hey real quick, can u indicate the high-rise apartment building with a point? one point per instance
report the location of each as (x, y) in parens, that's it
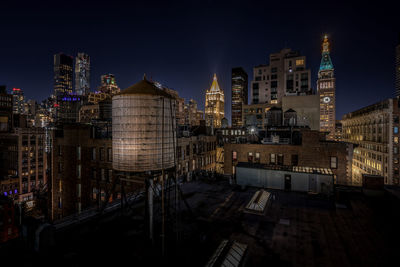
(239, 95)
(397, 73)
(63, 69)
(286, 74)
(108, 84)
(375, 132)
(82, 74)
(326, 85)
(215, 104)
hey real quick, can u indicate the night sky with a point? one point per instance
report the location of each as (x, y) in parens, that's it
(181, 44)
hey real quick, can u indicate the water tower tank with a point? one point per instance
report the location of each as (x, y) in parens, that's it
(143, 128)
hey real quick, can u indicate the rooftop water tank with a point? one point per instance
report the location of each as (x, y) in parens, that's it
(143, 128)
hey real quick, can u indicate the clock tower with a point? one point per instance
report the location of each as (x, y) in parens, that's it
(326, 90)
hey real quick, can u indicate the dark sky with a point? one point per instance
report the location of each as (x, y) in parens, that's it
(181, 44)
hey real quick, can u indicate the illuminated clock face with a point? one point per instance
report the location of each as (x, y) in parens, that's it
(326, 99)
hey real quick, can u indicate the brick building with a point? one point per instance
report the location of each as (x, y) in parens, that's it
(311, 151)
(81, 168)
(82, 173)
(196, 153)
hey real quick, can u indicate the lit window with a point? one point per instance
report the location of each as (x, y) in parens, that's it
(250, 156)
(234, 155)
(299, 62)
(93, 153)
(396, 140)
(396, 130)
(273, 158)
(333, 162)
(79, 169)
(78, 151)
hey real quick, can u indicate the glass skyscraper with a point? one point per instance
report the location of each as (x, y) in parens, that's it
(82, 74)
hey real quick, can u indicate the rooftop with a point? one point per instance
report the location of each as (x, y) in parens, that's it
(296, 229)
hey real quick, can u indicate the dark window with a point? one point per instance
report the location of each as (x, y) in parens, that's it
(109, 154)
(255, 86)
(178, 152)
(289, 84)
(102, 154)
(280, 159)
(295, 160)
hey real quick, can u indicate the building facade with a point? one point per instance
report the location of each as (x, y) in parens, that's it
(286, 74)
(374, 130)
(326, 85)
(312, 152)
(63, 71)
(82, 74)
(215, 104)
(239, 95)
(196, 153)
(81, 169)
(24, 161)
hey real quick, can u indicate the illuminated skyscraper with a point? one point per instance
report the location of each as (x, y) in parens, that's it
(326, 90)
(239, 95)
(108, 84)
(63, 68)
(18, 101)
(82, 74)
(215, 107)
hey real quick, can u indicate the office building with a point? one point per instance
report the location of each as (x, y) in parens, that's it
(239, 95)
(286, 74)
(326, 85)
(82, 74)
(215, 104)
(63, 71)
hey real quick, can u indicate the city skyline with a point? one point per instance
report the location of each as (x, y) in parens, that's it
(358, 48)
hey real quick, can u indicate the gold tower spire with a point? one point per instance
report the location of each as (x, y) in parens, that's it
(325, 45)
